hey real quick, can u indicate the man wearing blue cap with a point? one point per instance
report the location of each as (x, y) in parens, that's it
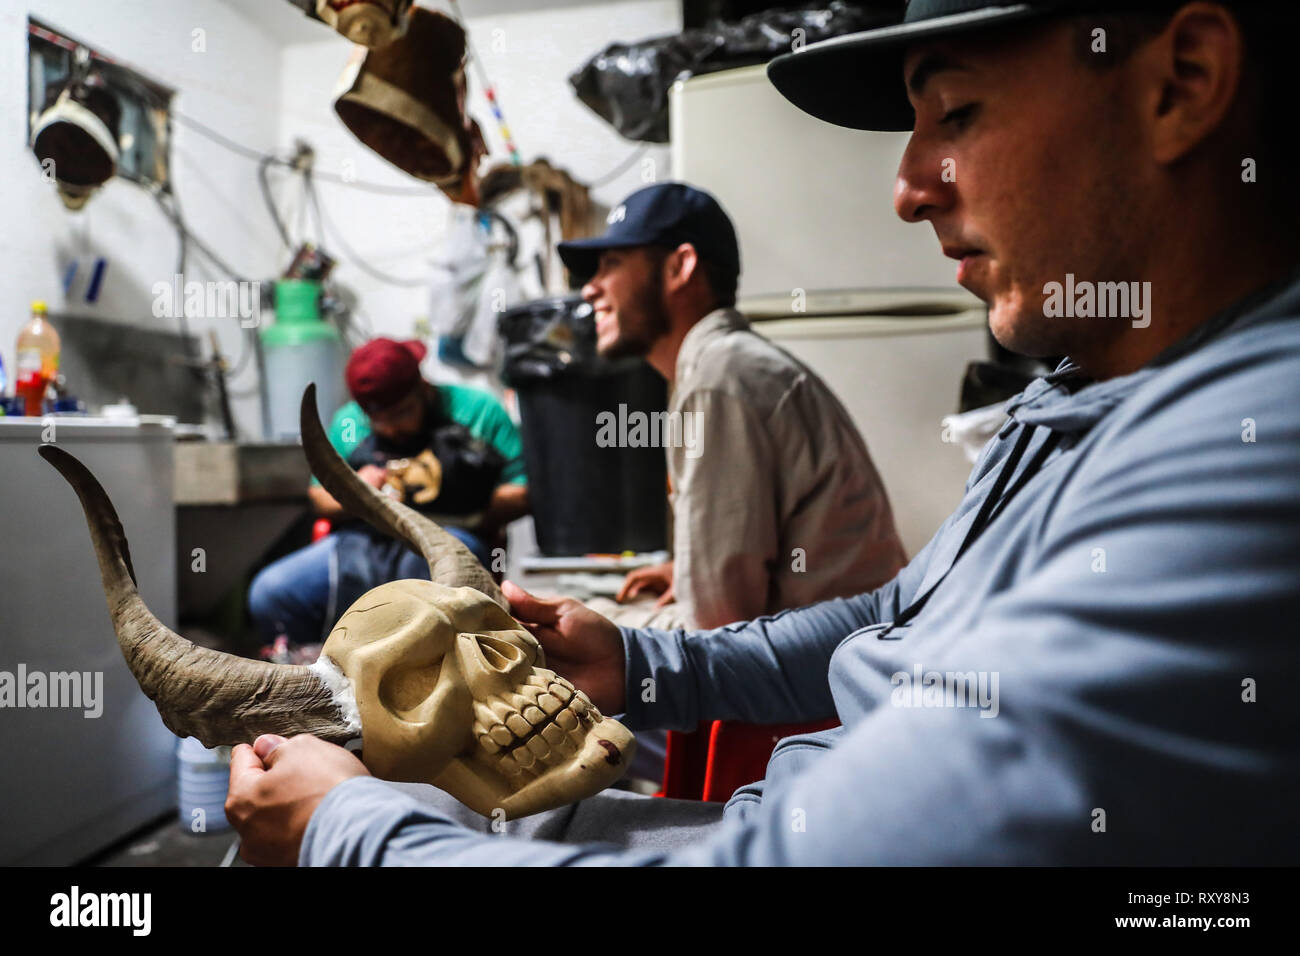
(776, 502)
(1090, 662)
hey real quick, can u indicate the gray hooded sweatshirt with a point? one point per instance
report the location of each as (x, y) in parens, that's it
(1101, 677)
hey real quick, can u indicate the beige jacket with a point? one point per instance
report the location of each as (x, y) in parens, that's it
(776, 503)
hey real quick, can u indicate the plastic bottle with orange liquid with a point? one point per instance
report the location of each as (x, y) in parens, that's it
(37, 360)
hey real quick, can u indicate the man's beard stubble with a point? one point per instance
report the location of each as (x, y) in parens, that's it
(638, 337)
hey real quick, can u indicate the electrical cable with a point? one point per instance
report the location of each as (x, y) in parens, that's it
(263, 182)
(383, 190)
(620, 169)
(199, 244)
(182, 257)
(186, 237)
(312, 202)
(340, 318)
(265, 161)
(350, 256)
(258, 155)
(300, 211)
(216, 137)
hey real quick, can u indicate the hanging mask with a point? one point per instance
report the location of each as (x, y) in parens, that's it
(76, 139)
(407, 103)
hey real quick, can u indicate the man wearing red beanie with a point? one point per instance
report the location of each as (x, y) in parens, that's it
(382, 372)
(448, 450)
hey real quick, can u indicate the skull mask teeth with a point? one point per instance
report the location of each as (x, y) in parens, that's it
(539, 725)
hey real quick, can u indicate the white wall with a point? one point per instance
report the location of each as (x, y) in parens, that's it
(263, 93)
(232, 86)
(528, 57)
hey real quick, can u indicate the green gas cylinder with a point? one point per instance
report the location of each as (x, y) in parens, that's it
(298, 349)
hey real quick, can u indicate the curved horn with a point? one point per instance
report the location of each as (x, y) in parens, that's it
(219, 698)
(450, 562)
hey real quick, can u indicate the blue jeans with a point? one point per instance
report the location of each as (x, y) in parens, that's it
(298, 595)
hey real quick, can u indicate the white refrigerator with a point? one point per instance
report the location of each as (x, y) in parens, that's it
(832, 274)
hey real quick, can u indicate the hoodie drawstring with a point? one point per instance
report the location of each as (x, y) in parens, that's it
(994, 503)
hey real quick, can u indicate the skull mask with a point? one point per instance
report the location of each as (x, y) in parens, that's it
(441, 683)
(451, 691)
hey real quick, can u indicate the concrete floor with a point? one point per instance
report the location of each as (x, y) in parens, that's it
(167, 842)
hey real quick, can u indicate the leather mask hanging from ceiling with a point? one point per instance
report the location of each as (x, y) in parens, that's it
(78, 136)
(407, 103)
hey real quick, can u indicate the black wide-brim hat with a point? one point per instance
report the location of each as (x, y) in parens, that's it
(857, 80)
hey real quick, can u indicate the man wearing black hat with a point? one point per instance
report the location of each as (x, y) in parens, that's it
(776, 502)
(1089, 662)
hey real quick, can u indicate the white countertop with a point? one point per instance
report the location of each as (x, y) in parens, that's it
(17, 427)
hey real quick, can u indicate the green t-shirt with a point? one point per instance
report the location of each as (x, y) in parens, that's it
(478, 411)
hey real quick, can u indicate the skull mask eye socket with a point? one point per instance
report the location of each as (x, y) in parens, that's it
(405, 692)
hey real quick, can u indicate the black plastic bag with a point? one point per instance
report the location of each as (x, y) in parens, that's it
(553, 337)
(627, 84)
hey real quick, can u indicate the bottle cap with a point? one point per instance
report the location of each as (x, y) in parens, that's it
(38, 305)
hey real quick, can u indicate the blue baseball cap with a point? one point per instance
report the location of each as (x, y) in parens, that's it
(665, 214)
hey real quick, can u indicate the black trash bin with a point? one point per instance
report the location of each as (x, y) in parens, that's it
(585, 498)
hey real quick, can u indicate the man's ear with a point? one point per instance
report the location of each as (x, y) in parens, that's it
(682, 263)
(1198, 59)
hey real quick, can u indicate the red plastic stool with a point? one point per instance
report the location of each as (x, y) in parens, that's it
(719, 757)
